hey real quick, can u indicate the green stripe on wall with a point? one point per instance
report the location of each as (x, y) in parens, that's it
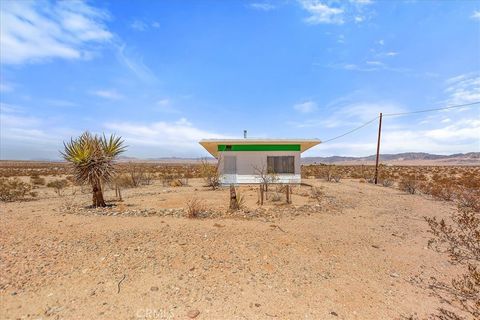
(259, 147)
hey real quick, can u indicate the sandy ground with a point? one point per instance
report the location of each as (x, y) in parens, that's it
(366, 260)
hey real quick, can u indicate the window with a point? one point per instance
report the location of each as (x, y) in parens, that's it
(281, 164)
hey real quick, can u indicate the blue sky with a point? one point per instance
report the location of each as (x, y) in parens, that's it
(164, 74)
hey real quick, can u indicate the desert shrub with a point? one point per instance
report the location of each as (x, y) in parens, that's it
(36, 180)
(210, 174)
(387, 182)
(408, 184)
(276, 197)
(317, 194)
(460, 239)
(138, 174)
(15, 190)
(176, 183)
(58, 185)
(195, 208)
(123, 181)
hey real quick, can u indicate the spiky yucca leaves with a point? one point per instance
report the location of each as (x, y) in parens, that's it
(92, 157)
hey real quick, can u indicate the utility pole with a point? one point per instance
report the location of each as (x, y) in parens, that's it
(378, 148)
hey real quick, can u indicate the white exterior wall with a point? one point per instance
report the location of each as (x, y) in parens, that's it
(247, 161)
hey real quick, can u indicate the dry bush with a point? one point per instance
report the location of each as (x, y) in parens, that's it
(123, 181)
(210, 174)
(276, 197)
(58, 185)
(387, 182)
(460, 239)
(195, 208)
(317, 193)
(138, 174)
(336, 177)
(15, 190)
(36, 180)
(408, 184)
(266, 177)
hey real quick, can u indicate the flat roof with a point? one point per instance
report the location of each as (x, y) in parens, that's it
(211, 145)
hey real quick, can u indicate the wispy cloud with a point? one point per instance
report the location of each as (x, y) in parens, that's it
(262, 6)
(165, 105)
(476, 15)
(142, 25)
(110, 94)
(5, 87)
(305, 107)
(35, 31)
(367, 66)
(362, 2)
(462, 89)
(135, 64)
(21, 131)
(322, 13)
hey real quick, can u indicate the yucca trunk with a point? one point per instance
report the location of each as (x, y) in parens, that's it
(97, 199)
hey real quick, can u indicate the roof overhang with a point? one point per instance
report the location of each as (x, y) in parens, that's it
(211, 145)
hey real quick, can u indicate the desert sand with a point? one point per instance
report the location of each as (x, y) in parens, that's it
(362, 254)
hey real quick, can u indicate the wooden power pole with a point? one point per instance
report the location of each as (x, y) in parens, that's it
(378, 148)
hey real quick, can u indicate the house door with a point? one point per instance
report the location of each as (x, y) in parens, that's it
(230, 169)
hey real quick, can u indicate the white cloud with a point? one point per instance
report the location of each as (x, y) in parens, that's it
(139, 25)
(34, 31)
(362, 2)
(262, 6)
(391, 53)
(359, 19)
(143, 25)
(476, 15)
(322, 13)
(176, 138)
(108, 94)
(305, 107)
(463, 89)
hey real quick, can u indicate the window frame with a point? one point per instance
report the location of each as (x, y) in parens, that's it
(281, 164)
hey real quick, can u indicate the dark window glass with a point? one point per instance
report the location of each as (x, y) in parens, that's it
(281, 164)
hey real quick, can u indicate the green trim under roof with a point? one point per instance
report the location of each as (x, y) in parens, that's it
(258, 147)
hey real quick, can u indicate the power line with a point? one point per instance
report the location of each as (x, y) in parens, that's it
(401, 114)
(351, 131)
(429, 110)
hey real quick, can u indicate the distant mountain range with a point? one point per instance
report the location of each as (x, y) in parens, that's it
(405, 158)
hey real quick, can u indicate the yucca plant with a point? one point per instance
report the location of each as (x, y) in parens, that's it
(92, 157)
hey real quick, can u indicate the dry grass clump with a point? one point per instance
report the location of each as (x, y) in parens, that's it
(15, 190)
(195, 208)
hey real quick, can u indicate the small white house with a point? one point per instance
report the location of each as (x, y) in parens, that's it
(244, 160)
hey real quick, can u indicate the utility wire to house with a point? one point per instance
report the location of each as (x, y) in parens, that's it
(402, 114)
(430, 110)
